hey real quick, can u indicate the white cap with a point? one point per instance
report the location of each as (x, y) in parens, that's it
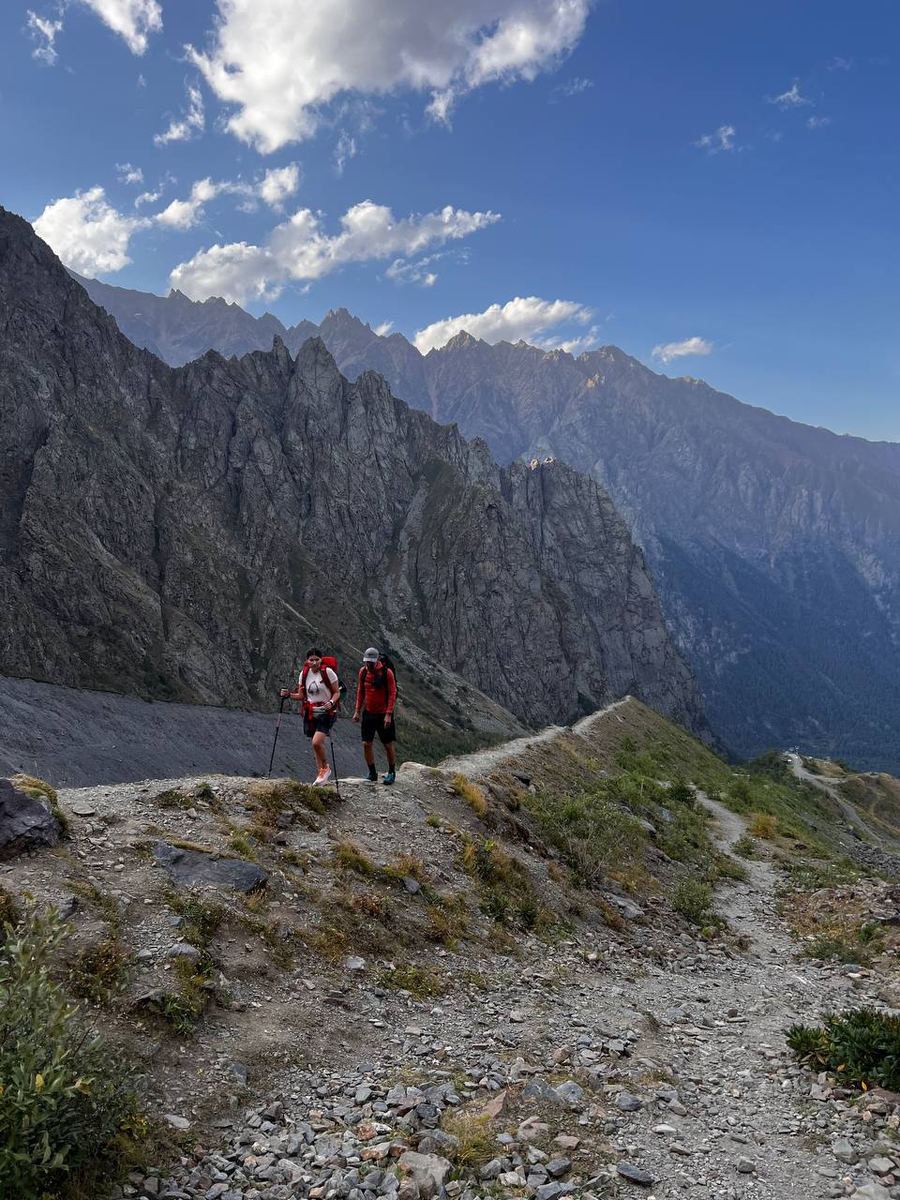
(371, 655)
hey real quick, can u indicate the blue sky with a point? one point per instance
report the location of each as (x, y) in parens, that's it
(713, 187)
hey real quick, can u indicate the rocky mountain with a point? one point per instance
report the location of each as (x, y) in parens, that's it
(774, 545)
(185, 533)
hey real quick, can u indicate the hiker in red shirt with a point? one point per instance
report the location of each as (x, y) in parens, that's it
(376, 695)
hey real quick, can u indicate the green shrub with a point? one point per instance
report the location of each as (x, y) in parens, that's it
(9, 910)
(860, 1047)
(693, 899)
(101, 971)
(200, 919)
(747, 847)
(858, 947)
(681, 793)
(64, 1096)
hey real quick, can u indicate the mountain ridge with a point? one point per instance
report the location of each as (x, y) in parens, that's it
(165, 526)
(774, 544)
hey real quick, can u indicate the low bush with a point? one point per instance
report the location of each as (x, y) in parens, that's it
(747, 847)
(764, 825)
(860, 1047)
(422, 983)
(67, 1111)
(101, 971)
(693, 899)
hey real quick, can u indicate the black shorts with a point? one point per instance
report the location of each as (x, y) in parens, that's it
(371, 724)
(318, 723)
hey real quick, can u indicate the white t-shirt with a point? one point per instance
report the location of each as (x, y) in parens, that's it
(318, 693)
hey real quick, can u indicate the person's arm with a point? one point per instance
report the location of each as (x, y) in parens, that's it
(299, 692)
(360, 693)
(332, 680)
(391, 693)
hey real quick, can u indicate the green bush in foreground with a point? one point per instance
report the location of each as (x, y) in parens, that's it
(64, 1099)
(860, 1047)
(693, 899)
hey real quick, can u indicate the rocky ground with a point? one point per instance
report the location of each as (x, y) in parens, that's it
(624, 1055)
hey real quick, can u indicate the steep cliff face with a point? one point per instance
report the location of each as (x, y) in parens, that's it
(183, 532)
(775, 546)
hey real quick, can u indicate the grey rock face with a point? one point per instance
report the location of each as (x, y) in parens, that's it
(774, 545)
(186, 533)
(193, 868)
(25, 824)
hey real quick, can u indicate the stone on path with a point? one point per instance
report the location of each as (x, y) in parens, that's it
(196, 867)
(25, 824)
(634, 1174)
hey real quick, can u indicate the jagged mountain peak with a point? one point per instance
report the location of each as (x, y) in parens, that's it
(187, 516)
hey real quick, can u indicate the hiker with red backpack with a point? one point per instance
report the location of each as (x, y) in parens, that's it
(319, 692)
(376, 695)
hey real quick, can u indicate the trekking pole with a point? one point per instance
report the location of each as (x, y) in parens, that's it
(275, 742)
(337, 782)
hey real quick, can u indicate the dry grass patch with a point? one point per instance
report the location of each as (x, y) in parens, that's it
(100, 972)
(351, 858)
(472, 794)
(476, 1139)
(40, 789)
(764, 825)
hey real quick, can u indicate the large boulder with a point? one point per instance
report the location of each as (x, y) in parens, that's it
(195, 868)
(25, 824)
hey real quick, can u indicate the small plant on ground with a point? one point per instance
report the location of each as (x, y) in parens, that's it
(421, 982)
(101, 971)
(172, 798)
(200, 919)
(693, 900)
(184, 1008)
(9, 910)
(475, 1136)
(858, 946)
(747, 847)
(433, 820)
(349, 856)
(66, 1107)
(472, 794)
(861, 1047)
(764, 825)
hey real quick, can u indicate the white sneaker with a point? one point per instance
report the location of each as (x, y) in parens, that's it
(323, 777)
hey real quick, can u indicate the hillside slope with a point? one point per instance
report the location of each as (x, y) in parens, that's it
(528, 949)
(775, 545)
(185, 534)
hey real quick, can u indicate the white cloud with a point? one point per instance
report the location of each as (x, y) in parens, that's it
(817, 122)
(696, 346)
(344, 150)
(576, 345)
(183, 214)
(840, 63)
(384, 328)
(715, 143)
(277, 185)
(403, 271)
(44, 31)
(129, 174)
(279, 61)
(300, 250)
(87, 233)
(572, 87)
(190, 123)
(790, 99)
(524, 317)
(131, 19)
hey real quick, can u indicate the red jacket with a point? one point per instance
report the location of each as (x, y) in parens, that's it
(371, 692)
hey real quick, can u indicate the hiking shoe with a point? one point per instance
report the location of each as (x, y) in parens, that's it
(390, 777)
(372, 776)
(323, 777)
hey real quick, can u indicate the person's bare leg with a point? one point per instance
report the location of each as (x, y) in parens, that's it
(368, 754)
(389, 751)
(319, 750)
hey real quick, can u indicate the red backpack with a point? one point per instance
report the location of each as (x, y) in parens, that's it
(328, 660)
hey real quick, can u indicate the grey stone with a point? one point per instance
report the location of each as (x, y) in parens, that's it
(745, 1166)
(25, 824)
(844, 1151)
(558, 1166)
(196, 868)
(429, 1171)
(540, 1089)
(626, 1102)
(176, 1122)
(634, 1174)
(571, 1094)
